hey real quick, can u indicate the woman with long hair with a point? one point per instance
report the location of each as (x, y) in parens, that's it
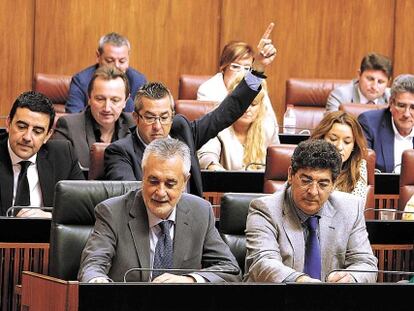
(343, 130)
(243, 145)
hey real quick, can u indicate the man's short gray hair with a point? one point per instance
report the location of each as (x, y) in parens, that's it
(114, 39)
(167, 148)
(402, 84)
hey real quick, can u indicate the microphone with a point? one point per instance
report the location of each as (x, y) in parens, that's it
(11, 210)
(179, 271)
(408, 273)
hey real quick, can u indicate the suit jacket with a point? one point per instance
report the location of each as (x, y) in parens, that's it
(349, 94)
(78, 90)
(276, 245)
(123, 157)
(120, 241)
(55, 161)
(380, 135)
(78, 129)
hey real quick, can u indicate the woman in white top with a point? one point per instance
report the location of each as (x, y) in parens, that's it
(343, 130)
(243, 145)
(236, 57)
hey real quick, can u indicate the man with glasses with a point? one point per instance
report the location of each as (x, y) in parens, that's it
(154, 117)
(390, 131)
(305, 230)
(103, 119)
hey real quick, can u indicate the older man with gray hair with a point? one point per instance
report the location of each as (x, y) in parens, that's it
(389, 132)
(113, 50)
(144, 234)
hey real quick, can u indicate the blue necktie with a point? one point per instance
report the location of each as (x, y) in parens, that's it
(163, 257)
(313, 250)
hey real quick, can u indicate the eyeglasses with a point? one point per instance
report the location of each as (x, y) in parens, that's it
(306, 183)
(164, 120)
(403, 107)
(237, 68)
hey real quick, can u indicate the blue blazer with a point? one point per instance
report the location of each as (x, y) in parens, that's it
(378, 131)
(78, 90)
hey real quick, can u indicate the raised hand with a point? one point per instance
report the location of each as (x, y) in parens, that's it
(266, 51)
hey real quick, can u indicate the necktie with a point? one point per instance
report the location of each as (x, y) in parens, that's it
(163, 257)
(313, 250)
(23, 191)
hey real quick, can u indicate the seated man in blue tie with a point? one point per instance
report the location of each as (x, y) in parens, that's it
(30, 165)
(158, 228)
(304, 231)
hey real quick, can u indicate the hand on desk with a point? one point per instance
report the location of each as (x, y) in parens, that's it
(340, 277)
(266, 51)
(99, 279)
(307, 279)
(33, 213)
(172, 278)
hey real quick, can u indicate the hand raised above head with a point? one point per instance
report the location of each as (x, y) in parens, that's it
(266, 51)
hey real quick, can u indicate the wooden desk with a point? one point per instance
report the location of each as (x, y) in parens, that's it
(24, 245)
(46, 293)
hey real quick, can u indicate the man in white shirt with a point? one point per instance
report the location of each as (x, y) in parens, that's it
(390, 131)
(374, 76)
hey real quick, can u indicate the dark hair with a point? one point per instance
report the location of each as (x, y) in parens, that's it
(374, 61)
(152, 90)
(34, 101)
(318, 154)
(109, 73)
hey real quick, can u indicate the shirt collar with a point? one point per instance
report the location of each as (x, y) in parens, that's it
(15, 159)
(97, 129)
(154, 220)
(363, 99)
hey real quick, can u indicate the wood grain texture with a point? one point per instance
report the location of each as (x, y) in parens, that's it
(167, 37)
(315, 38)
(16, 53)
(404, 37)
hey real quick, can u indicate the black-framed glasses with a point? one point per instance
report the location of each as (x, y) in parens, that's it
(164, 119)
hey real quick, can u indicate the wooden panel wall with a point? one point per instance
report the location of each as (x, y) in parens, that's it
(16, 52)
(315, 38)
(167, 37)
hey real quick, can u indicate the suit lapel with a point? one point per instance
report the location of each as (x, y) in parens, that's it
(6, 179)
(139, 227)
(123, 126)
(355, 93)
(387, 141)
(182, 232)
(326, 232)
(294, 232)
(46, 176)
(139, 148)
(90, 136)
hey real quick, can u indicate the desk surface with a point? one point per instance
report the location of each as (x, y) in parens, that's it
(387, 183)
(233, 181)
(24, 230)
(390, 232)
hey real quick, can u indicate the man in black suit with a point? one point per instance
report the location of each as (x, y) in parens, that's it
(103, 119)
(154, 117)
(158, 227)
(29, 127)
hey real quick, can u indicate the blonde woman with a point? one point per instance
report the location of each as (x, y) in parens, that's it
(243, 145)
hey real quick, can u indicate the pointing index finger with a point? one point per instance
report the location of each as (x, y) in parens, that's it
(268, 31)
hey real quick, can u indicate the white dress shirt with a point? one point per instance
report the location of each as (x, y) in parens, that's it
(401, 144)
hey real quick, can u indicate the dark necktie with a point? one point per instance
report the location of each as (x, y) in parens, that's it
(313, 250)
(163, 257)
(23, 191)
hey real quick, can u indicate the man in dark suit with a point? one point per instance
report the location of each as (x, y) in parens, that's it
(113, 50)
(29, 127)
(158, 227)
(103, 120)
(390, 131)
(154, 117)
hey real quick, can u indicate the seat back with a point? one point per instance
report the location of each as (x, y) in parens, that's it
(406, 178)
(308, 97)
(233, 214)
(188, 85)
(193, 109)
(96, 164)
(278, 159)
(55, 87)
(356, 109)
(73, 219)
